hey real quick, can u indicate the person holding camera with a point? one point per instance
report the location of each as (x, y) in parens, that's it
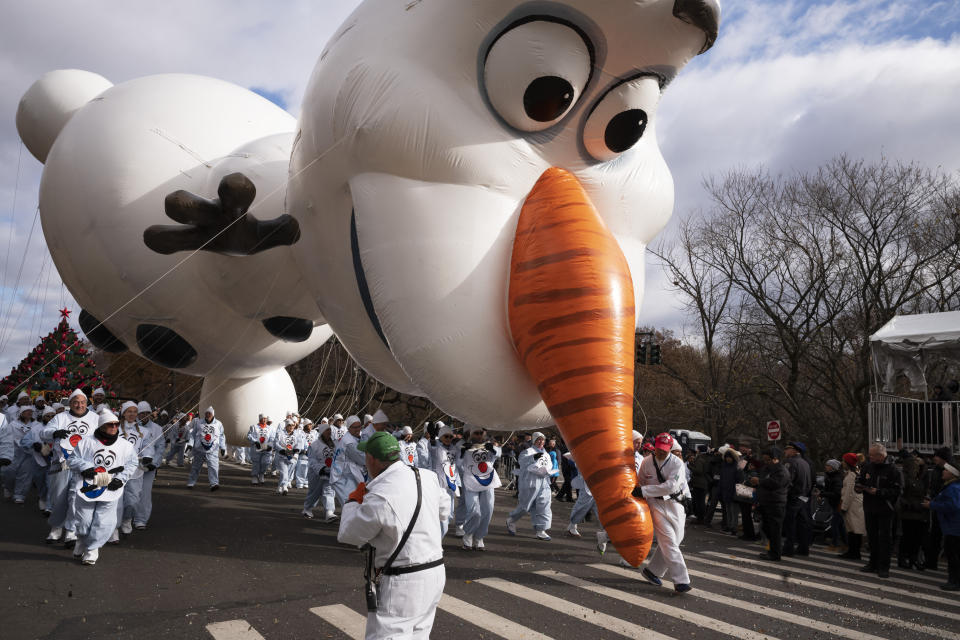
(398, 514)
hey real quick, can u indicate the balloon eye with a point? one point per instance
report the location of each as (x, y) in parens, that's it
(547, 98)
(625, 130)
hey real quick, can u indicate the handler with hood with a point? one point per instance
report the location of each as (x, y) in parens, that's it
(320, 459)
(105, 462)
(347, 470)
(206, 434)
(535, 468)
(662, 479)
(411, 573)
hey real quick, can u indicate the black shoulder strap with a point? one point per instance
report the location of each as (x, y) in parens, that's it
(413, 521)
(659, 472)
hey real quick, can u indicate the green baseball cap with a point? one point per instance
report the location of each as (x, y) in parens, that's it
(382, 446)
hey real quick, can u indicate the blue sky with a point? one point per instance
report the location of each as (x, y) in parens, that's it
(788, 86)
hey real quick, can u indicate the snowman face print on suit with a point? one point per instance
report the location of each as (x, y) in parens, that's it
(103, 460)
(75, 432)
(207, 432)
(481, 466)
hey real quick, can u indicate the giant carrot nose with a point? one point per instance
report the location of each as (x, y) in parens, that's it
(571, 313)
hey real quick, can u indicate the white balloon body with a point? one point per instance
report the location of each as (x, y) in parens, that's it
(413, 162)
(238, 402)
(104, 182)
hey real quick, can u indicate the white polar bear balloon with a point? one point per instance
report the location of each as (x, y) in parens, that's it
(112, 155)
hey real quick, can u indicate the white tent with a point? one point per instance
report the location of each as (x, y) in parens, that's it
(908, 344)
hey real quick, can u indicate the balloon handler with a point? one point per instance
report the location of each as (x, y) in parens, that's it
(396, 518)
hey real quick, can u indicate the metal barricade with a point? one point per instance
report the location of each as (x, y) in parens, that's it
(918, 424)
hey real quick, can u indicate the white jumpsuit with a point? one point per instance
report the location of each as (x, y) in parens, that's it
(668, 515)
(408, 602)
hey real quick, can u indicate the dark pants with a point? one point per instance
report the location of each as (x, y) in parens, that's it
(699, 497)
(797, 527)
(951, 549)
(838, 529)
(565, 491)
(772, 523)
(880, 535)
(746, 514)
(910, 540)
(931, 548)
(712, 504)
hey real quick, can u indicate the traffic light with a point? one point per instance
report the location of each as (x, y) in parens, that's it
(641, 352)
(655, 354)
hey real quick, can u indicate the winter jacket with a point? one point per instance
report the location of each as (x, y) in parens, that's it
(914, 491)
(851, 505)
(833, 487)
(886, 479)
(947, 507)
(800, 478)
(700, 472)
(730, 475)
(774, 483)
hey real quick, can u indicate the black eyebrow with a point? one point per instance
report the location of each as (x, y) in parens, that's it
(703, 14)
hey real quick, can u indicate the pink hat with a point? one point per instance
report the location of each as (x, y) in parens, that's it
(664, 442)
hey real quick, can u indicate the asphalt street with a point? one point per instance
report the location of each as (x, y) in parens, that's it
(243, 564)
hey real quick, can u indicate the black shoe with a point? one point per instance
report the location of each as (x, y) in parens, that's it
(682, 588)
(214, 487)
(868, 568)
(767, 556)
(919, 566)
(950, 587)
(788, 554)
(651, 577)
(883, 573)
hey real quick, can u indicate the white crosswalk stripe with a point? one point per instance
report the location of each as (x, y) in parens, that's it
(567, 608)
(658, 606)
(933, 577)
(883, 585)
(731, 565)
(351, 623)
(751, 587)
(233, 630)
(491, 622)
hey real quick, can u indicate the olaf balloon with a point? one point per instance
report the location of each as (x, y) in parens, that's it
(468, 202)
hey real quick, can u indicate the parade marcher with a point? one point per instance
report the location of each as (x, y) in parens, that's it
(368, 429)
(851, 506)
(479, 479)
(151, 450)
(423, 446)
(443, 461)
(132, 432)
(337, 427)
(662, 480)
(205, 440)
(585, 501)
(104, 462)
(473, 436)
(23, 471)
(13, 411)
(408, 448)
(308, 435)
(178, 439)
(773, 483)
(261, 436)
(35, 466)
(320, 456)
(534, 483)
(879, 482)
(398, 514)
(946, 506)
(99, 400)
(58, 408)
(287, 443)
(348, 468)
(65, 431)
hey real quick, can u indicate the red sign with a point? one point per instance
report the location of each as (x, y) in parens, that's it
(773, 430)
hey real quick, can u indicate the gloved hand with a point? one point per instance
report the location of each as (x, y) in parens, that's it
(89, 473)
(223, 453)
(115, 484)
(357, 494)
(102, 479)
(489, 447)
(151, 467)
(4, 462)
(37, 447)
(257, 445)
(187, 450)
(60, 434)
(146, 460)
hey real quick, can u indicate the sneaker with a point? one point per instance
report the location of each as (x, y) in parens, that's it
(543, 535)
(55, 534)
(478, 545)
(126, 527)
(331, 518)
(285, 492)
(458, 531)
(254, 481)
(573, 532)
(260, 479)
(90, 557)
(78, 551)
(511, 527)
(651, 577)
(682, 588)
(69, 539)
(189, 486)
(467, 542)
(601, 542)
(214, 487)
(306, 513)
(18, 501)
(114, 537)
(139, 526)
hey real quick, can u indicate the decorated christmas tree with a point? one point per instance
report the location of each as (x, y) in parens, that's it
(60, 362)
